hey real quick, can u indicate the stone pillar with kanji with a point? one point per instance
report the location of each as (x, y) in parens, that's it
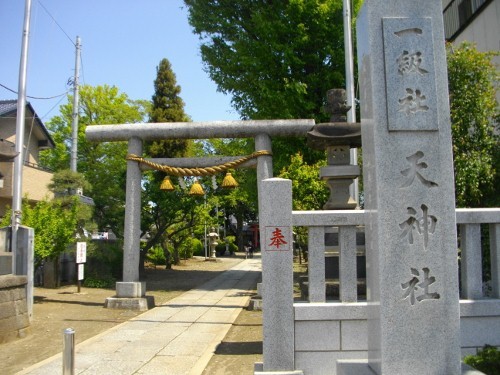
(413, 301)
(275, 219)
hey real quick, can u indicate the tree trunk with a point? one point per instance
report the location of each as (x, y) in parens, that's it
(168, 257)
(142, 261)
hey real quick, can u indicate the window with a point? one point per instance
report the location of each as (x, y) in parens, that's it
(460, 13)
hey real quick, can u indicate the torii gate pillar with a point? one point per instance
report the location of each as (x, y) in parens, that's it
(131, 293)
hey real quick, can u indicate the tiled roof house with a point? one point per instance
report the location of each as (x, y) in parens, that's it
(36, 138)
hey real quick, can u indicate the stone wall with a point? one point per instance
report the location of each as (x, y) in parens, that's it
(327, 332)
(14, 319)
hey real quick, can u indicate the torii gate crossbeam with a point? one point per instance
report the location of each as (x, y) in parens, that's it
(131, 292)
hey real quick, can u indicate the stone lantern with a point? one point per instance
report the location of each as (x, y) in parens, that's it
(212, 238)
(337, 137)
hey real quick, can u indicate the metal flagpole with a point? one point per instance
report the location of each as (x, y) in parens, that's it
(20, 127)
(349, 74)
(74, 125)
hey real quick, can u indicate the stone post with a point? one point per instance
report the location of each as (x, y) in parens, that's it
(277, 276)
(413, 315)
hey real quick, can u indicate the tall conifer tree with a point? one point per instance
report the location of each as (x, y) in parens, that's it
(167, 106)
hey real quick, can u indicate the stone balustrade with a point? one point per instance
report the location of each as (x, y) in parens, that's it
(330, 330)
(325, 330)
(469, 221)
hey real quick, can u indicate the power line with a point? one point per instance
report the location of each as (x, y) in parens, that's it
(50, 110)
(53, 19)
(36, 97)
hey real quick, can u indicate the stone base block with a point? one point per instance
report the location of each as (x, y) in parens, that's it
(140, 304)
(259, 370)
(360, 367)
(134, 289)
(354, 367)
(212, 260)
(5, 263)
(255, 304)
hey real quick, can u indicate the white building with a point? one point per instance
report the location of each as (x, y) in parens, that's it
(473, 20)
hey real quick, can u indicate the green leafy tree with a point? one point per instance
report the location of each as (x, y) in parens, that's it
(54, 223)
(167, 219)
(276, 59)
(102, 164)
(240, 203)
(169, 216)
(474, 117)
(66, 182)
(64, 185)
(309, 192)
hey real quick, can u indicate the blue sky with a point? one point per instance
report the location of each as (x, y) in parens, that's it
(123, 42)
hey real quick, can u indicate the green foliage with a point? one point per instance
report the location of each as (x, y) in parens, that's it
(96, 281)
(66, 182)
(156, 256)
(474, 117)
(486, 360)
(54, 227)
(240, 202)
(54, 224)
(102, 164)
(104, 260)
(276, 59)
(231, 246)
(309, 192)
(197, 247)
(169, 216)
(189, 247)
(167, 106)
(64, 185)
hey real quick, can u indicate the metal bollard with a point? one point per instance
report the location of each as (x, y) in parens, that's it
(69, 351)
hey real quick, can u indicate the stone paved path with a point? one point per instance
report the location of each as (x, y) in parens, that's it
(178, 337)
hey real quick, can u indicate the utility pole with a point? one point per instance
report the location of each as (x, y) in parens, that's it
(349, 81)
(20, 130)
(74, 124)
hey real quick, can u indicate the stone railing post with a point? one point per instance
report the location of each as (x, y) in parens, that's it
(348, 285)
(277, 274)
(316, 264)
(495, 259)
(471, 261)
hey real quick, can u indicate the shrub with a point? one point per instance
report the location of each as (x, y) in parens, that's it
(197, 247)
(232, 247)
(189, 247)
(156, 256)
(104, 259)
(486, 360)
(94, 281)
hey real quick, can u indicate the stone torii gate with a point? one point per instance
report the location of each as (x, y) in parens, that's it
(131, 292)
